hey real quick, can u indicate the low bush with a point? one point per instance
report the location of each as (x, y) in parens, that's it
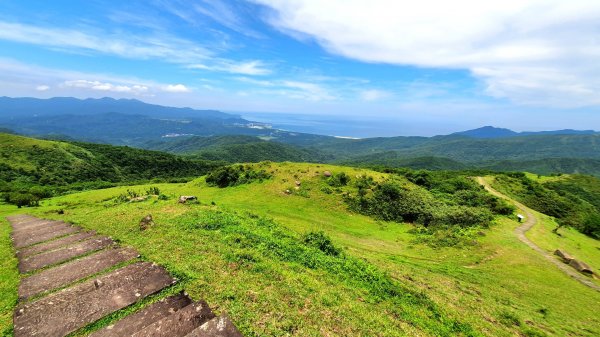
(235, 175)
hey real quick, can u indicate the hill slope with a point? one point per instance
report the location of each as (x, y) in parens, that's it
(26, 162)
(254, 246)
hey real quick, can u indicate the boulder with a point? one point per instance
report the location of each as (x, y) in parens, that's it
(146, 222)
(581, 267)
(563, 255)
(185, 198)
(298, 183)
(327, 174)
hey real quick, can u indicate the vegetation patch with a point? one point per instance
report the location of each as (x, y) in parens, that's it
(573, 202)
(235, 175)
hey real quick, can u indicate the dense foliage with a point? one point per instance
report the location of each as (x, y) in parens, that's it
(440, 201)
(572, 201)
(235, 175)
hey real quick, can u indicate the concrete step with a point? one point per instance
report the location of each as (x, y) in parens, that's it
(70, 272)
(217, 327)
(63, 254)
(73, 308)
(180, 323)
(27, 240)
(54, 244)
(145, 317)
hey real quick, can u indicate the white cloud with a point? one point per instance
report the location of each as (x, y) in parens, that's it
(176, 88)
(106, 86)
(42, 87)
(373, 94)
(254, 67)
(523, 50)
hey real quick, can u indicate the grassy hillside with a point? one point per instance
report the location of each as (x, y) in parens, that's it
(246, 250)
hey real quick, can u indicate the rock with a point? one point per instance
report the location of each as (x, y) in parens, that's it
(138, 199)
(185, 198)
(298, 183)
(288, 192)
(327, 173)
(581, 267)
(146, 222)
(563, 255)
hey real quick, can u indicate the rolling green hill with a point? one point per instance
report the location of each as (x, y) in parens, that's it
(238, 149)
(299, 250)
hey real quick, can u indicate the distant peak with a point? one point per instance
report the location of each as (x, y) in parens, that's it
(487, 131)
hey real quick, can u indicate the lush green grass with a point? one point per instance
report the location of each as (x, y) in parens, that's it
(245, 255)
(9, 276)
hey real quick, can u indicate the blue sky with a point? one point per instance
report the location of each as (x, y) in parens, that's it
(427, 65)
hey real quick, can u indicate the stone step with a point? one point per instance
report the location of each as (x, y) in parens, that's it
(145, 317)
(70, 272)
(35, 225)
(25, 221)
(73, 308)
(54, 244)
(180, 323)
(40, 230)
(217, 327)
(24, 241)
(63, 254)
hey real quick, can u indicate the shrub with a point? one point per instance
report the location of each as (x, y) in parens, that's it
(322, 242)
(235, 175)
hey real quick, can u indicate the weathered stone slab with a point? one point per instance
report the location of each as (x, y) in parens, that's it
(67, 273)
(566, 257)
(63, 254)
(31, 240)
(75, 307)
(51, 227)
(217, 327)
(54, 244)
(32, 225)
(180, 323)
(145, 317)
(581, 267)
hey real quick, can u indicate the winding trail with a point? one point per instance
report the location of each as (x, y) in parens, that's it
(531, 221)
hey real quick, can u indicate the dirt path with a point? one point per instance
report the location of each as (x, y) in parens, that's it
(531, 221)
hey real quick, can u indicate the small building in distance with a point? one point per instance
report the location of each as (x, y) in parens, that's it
(520, 217)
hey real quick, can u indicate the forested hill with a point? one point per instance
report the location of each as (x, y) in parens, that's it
(27, 162)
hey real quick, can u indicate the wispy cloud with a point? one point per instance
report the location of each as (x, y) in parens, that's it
(374, 94)
(309, 91)
(157, 45)
(253, 67)
(230, 14)
(42, 87)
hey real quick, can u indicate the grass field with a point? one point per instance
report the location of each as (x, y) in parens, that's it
(241, 249)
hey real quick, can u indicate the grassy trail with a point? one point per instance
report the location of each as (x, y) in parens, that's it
(531, 221)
